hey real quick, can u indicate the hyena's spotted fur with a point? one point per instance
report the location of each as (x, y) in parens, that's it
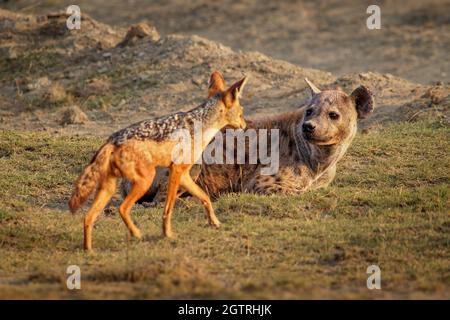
(307, 159)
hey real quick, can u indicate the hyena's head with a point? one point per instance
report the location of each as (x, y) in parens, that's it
(330, 116)
(230, 108)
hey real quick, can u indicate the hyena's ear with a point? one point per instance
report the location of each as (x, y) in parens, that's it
(216, 84)
(312, 87)
(234, 92)
(364, 103)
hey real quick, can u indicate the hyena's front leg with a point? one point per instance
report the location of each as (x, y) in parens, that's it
(325, 179)
(288, 180)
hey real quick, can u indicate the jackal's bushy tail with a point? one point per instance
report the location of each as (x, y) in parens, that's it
(91, 176)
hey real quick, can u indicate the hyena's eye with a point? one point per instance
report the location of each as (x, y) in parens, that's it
(333, 115)
(308, 112)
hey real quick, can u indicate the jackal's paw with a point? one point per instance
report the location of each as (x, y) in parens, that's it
(169, 234)
(137, 234)
(215, 223)
(90, 252)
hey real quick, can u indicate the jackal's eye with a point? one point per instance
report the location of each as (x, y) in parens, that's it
(309, 112)
(333, 115)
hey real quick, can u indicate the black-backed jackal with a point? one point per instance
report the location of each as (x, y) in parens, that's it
(135, 152)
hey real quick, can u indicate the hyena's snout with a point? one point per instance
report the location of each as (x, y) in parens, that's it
(309, 127)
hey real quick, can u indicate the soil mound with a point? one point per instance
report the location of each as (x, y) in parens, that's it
(117, 76)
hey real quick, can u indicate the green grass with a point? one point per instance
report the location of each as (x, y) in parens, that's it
(388, 206)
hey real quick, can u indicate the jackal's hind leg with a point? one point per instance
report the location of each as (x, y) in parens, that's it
(104, 194)
(172, 193)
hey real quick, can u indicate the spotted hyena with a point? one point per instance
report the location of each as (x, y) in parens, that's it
(312, 140)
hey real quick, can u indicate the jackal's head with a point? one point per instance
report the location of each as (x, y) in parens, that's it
(330, 116)
(232, 113)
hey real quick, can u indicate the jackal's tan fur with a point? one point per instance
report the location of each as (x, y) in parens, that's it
(135, 152)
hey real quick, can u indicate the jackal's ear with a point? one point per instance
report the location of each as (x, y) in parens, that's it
(237, 88)
(216, 84)
(364, 103)
(234, 92)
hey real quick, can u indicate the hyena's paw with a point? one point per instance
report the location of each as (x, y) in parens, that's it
(285, 181)
(266, 185)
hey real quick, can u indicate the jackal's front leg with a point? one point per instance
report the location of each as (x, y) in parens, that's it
(174, 183)
(162, 182)
(191, 187)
